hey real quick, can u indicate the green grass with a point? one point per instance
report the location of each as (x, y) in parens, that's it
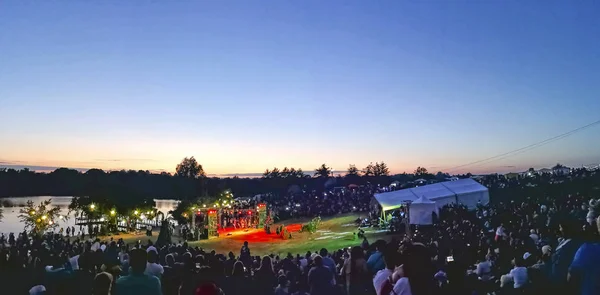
(333, 233)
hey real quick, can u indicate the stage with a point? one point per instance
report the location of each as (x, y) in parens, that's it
(334, 233)
(236, 232)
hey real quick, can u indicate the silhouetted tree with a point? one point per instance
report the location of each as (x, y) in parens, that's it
(381, 169)
(190, 168)
(323, 171)
(369, 170)
(352, 170)
(420, 171)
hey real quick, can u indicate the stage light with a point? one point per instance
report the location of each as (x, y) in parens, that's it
(102, 219)
(92, 206)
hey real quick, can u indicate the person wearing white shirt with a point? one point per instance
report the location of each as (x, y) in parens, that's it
(74, 261)
(534, 236)
(519, 273)
(151, 248)
(152, 267)
(484, 269)
(500, 232)
(385, 274)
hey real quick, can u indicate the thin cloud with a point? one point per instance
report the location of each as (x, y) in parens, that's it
(125, 160)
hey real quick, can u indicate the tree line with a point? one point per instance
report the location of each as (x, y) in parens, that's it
(188, 182)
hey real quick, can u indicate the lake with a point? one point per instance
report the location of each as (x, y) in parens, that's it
(10, 222)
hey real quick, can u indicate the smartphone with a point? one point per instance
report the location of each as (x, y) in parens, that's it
(450, 259)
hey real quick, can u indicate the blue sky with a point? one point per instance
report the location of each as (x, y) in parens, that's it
(245, 85)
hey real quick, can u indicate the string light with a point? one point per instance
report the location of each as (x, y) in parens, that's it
(112, 212)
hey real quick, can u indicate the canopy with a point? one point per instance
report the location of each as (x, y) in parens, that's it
(465, 191)
(421, 211)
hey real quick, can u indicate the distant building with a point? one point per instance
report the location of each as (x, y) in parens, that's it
(544, 171)
(511, 175)
(561, 171)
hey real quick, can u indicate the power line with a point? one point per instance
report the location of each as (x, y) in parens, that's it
(527, 148)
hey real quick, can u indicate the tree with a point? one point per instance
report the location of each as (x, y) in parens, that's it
(420, 171)
(370, 170)
(352, 170)
(558, 166)
(300, 173)
(323, 171)
(381, 169)
(190, 168)
(40, 219)
(275, 173)
(266, 174)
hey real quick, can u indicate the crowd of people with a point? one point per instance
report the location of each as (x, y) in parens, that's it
(535, 246)
(312, 203)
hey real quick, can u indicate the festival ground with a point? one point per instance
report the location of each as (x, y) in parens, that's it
(333, 233)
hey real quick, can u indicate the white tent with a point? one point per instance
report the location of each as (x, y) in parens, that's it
(395, 199)
(421, 210)
(465, 191)
(469, 192)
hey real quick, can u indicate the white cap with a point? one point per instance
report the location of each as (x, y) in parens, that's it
(39, 289)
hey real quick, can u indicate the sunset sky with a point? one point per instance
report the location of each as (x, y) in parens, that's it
(249, 85)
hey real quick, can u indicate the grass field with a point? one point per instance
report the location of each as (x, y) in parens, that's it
(333, 233)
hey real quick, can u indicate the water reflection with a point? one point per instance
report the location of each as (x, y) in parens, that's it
(10, 222)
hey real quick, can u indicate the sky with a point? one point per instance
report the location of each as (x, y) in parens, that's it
(248, 85)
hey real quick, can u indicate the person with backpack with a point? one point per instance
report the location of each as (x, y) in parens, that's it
(383, 278)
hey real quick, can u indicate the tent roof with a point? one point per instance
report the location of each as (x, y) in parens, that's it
(433, 192)
(393, 200)
(464, 186)
(423, 200)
